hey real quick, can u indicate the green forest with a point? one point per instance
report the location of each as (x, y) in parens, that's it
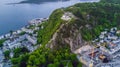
(98, 16)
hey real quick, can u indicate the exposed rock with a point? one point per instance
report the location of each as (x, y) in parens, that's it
(67, 34)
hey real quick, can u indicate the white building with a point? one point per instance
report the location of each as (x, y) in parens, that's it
(1, 37)
(67, 16)
(19, 31)
(118, 32)
(32, 40)
(7, 35)
(1, 64)
(112, 37)
(11, 54)
(14, 45)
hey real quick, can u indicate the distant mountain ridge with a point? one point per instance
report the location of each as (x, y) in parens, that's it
(39, 1)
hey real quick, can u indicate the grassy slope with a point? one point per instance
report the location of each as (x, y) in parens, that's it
(50, 27)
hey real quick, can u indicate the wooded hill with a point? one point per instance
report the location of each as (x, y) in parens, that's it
(92, 18)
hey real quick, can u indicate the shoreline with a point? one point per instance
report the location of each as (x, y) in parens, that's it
(7, 33)
(23, 37)
(34, 21)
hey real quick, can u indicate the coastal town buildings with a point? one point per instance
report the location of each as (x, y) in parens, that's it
(20, 38)
(105, 52)
(33, 40)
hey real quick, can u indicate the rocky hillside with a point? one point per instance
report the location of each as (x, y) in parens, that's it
(67, 34)
(90, 19)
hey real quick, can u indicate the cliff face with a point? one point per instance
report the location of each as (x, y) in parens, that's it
(68, 34)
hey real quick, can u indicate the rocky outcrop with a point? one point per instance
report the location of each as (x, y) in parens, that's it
(67, 35)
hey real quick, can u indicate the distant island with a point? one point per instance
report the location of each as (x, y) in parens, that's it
(45, 1)
(39, 1)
